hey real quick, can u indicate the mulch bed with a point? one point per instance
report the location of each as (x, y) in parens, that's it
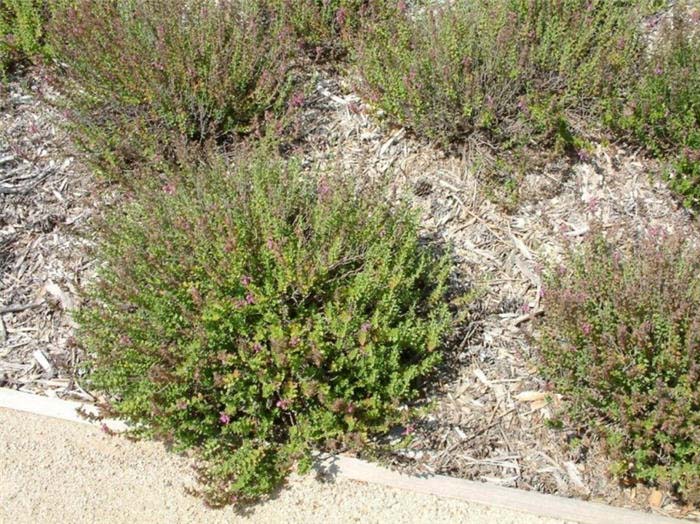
(46, 200)
(490, 417)
(490, 420)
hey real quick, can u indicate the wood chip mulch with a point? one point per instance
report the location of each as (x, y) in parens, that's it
(491, 419)
(45, 202)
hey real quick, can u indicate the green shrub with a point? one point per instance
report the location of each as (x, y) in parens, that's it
(516, 71)
(22, 24)
(663, 109)
(621, 340)
(140, 73)
(252, 313)
(322, 26)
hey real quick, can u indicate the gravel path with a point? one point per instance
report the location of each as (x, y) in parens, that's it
(56, 471)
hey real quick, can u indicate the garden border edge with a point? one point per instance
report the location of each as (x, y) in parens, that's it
(529, 502)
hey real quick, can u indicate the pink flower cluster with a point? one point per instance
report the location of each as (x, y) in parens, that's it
(284, 404)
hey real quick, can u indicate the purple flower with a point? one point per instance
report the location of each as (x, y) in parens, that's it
(655, 232)
(283, 404)
(246, 280)
(249, 299)
(257, 347)
(297, 100)
(586, 328)
(593, 204)
(169, 188)
(224, 418)
(408, 430)
(323, 189)
(341, 16)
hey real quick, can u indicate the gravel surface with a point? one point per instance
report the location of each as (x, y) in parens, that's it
(57, 471)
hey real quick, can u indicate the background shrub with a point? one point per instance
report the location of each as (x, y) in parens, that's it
(323, 26)
(621, 340)
(22, 37)
(662, 110)
(141, 72)
(252, 312)
(515, 70)
(550, 73)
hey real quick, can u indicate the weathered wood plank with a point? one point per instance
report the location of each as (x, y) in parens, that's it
(551, 506)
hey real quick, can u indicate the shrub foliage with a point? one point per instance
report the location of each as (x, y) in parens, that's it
(22, 24)
(140, 72)
(621, 339)
(323, 26)
(251, 312)
(513, 69)
(519, 72)
(663, 110)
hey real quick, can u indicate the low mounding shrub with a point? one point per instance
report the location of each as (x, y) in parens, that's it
(251, 312)
(621, 340)
(322, 26)
(663, 109)
(22, 37)
(140, 72)
(514, 70)
(519, 72)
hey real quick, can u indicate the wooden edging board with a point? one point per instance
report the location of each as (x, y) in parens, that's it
(533, 503)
